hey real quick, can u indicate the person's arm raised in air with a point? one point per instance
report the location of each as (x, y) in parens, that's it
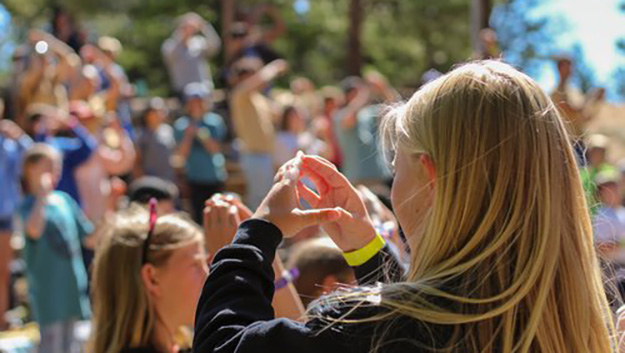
(381, 86)
(349, 114)
(222, 217)
(234, 313)
(118, 161)
(278, 27)
(265, 75)
(213, 42)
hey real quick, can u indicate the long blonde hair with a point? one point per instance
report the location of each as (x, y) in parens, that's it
(505, 256)
(123, 314)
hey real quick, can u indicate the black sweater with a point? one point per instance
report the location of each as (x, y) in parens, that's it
(235, 315)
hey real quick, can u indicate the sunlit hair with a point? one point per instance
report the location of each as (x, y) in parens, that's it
(123, 315)
(505, 256)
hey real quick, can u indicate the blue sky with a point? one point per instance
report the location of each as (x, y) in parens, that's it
(596, 25)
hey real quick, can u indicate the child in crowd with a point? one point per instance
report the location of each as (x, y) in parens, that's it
(54, 228)
(13, 144)
(156, 143)
(199, 135)
(321, 268)
(147, 276)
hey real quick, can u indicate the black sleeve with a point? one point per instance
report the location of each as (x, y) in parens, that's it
(383, 267)
(234, 313)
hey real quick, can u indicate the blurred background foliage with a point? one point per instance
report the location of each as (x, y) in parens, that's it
(400, 38)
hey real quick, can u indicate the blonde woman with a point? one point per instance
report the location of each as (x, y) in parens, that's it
(148, 275)
(488, 194)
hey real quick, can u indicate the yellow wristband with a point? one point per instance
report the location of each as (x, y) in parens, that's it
(364, 254)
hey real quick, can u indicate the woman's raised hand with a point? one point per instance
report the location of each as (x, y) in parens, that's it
(281, 205)
(354, 229)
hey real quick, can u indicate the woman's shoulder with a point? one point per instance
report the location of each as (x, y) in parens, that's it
(361, 314)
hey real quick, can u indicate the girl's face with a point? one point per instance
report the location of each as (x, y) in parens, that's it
(413, 190)
(180, 284)
(34, 175)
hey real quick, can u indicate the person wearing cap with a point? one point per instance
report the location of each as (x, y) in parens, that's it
(155, 143)
(609, 224)
(145, 188)
(596, 162)
(185, 52)
(199, 135)
(253, 117)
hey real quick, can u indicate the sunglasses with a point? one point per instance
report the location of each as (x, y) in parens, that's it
(146, 243)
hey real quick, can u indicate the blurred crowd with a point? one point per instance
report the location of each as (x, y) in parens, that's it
(79, 164)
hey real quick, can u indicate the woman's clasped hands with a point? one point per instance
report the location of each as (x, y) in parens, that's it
(335, 205)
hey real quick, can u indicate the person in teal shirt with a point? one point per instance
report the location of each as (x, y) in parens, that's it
(199, 136)
(54, 228)
(356, 125)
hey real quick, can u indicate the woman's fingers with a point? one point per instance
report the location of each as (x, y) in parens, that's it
(308, 195)
(325, 170)
(320, 184)
(315, 217)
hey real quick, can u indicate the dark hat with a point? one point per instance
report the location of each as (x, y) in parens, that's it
(144, 188)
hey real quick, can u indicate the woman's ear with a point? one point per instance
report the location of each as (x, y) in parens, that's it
(427, 162)
(150, 280)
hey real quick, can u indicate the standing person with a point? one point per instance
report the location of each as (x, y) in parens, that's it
(324, 126)
(500, 261)
(50, 66)
(253, 116)
(54, 127)
(356, 126)
(94, 176)
(156, 143)
(199, 135)
(65, 28)
(54, 228)
(185, 53)
(609, 227)
(576, 109)
(294, 137)
(13, 144)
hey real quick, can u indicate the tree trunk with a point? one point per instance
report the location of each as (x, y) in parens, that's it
(354, 55)
(480, 16)
(227, 17)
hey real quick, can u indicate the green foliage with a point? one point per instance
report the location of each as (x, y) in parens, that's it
(400, 38)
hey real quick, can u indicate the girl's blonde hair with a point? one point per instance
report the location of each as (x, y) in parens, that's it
(123, 314)
(505, 256)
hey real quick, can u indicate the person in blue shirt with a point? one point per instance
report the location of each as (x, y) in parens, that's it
(199, 136)
(356, 125)
(54, 229)
(13, 143)
(69, 137)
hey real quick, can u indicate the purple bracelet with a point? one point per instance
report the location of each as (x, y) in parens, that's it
(287, 277)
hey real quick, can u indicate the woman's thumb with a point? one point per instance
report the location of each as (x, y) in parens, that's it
(314, 217)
